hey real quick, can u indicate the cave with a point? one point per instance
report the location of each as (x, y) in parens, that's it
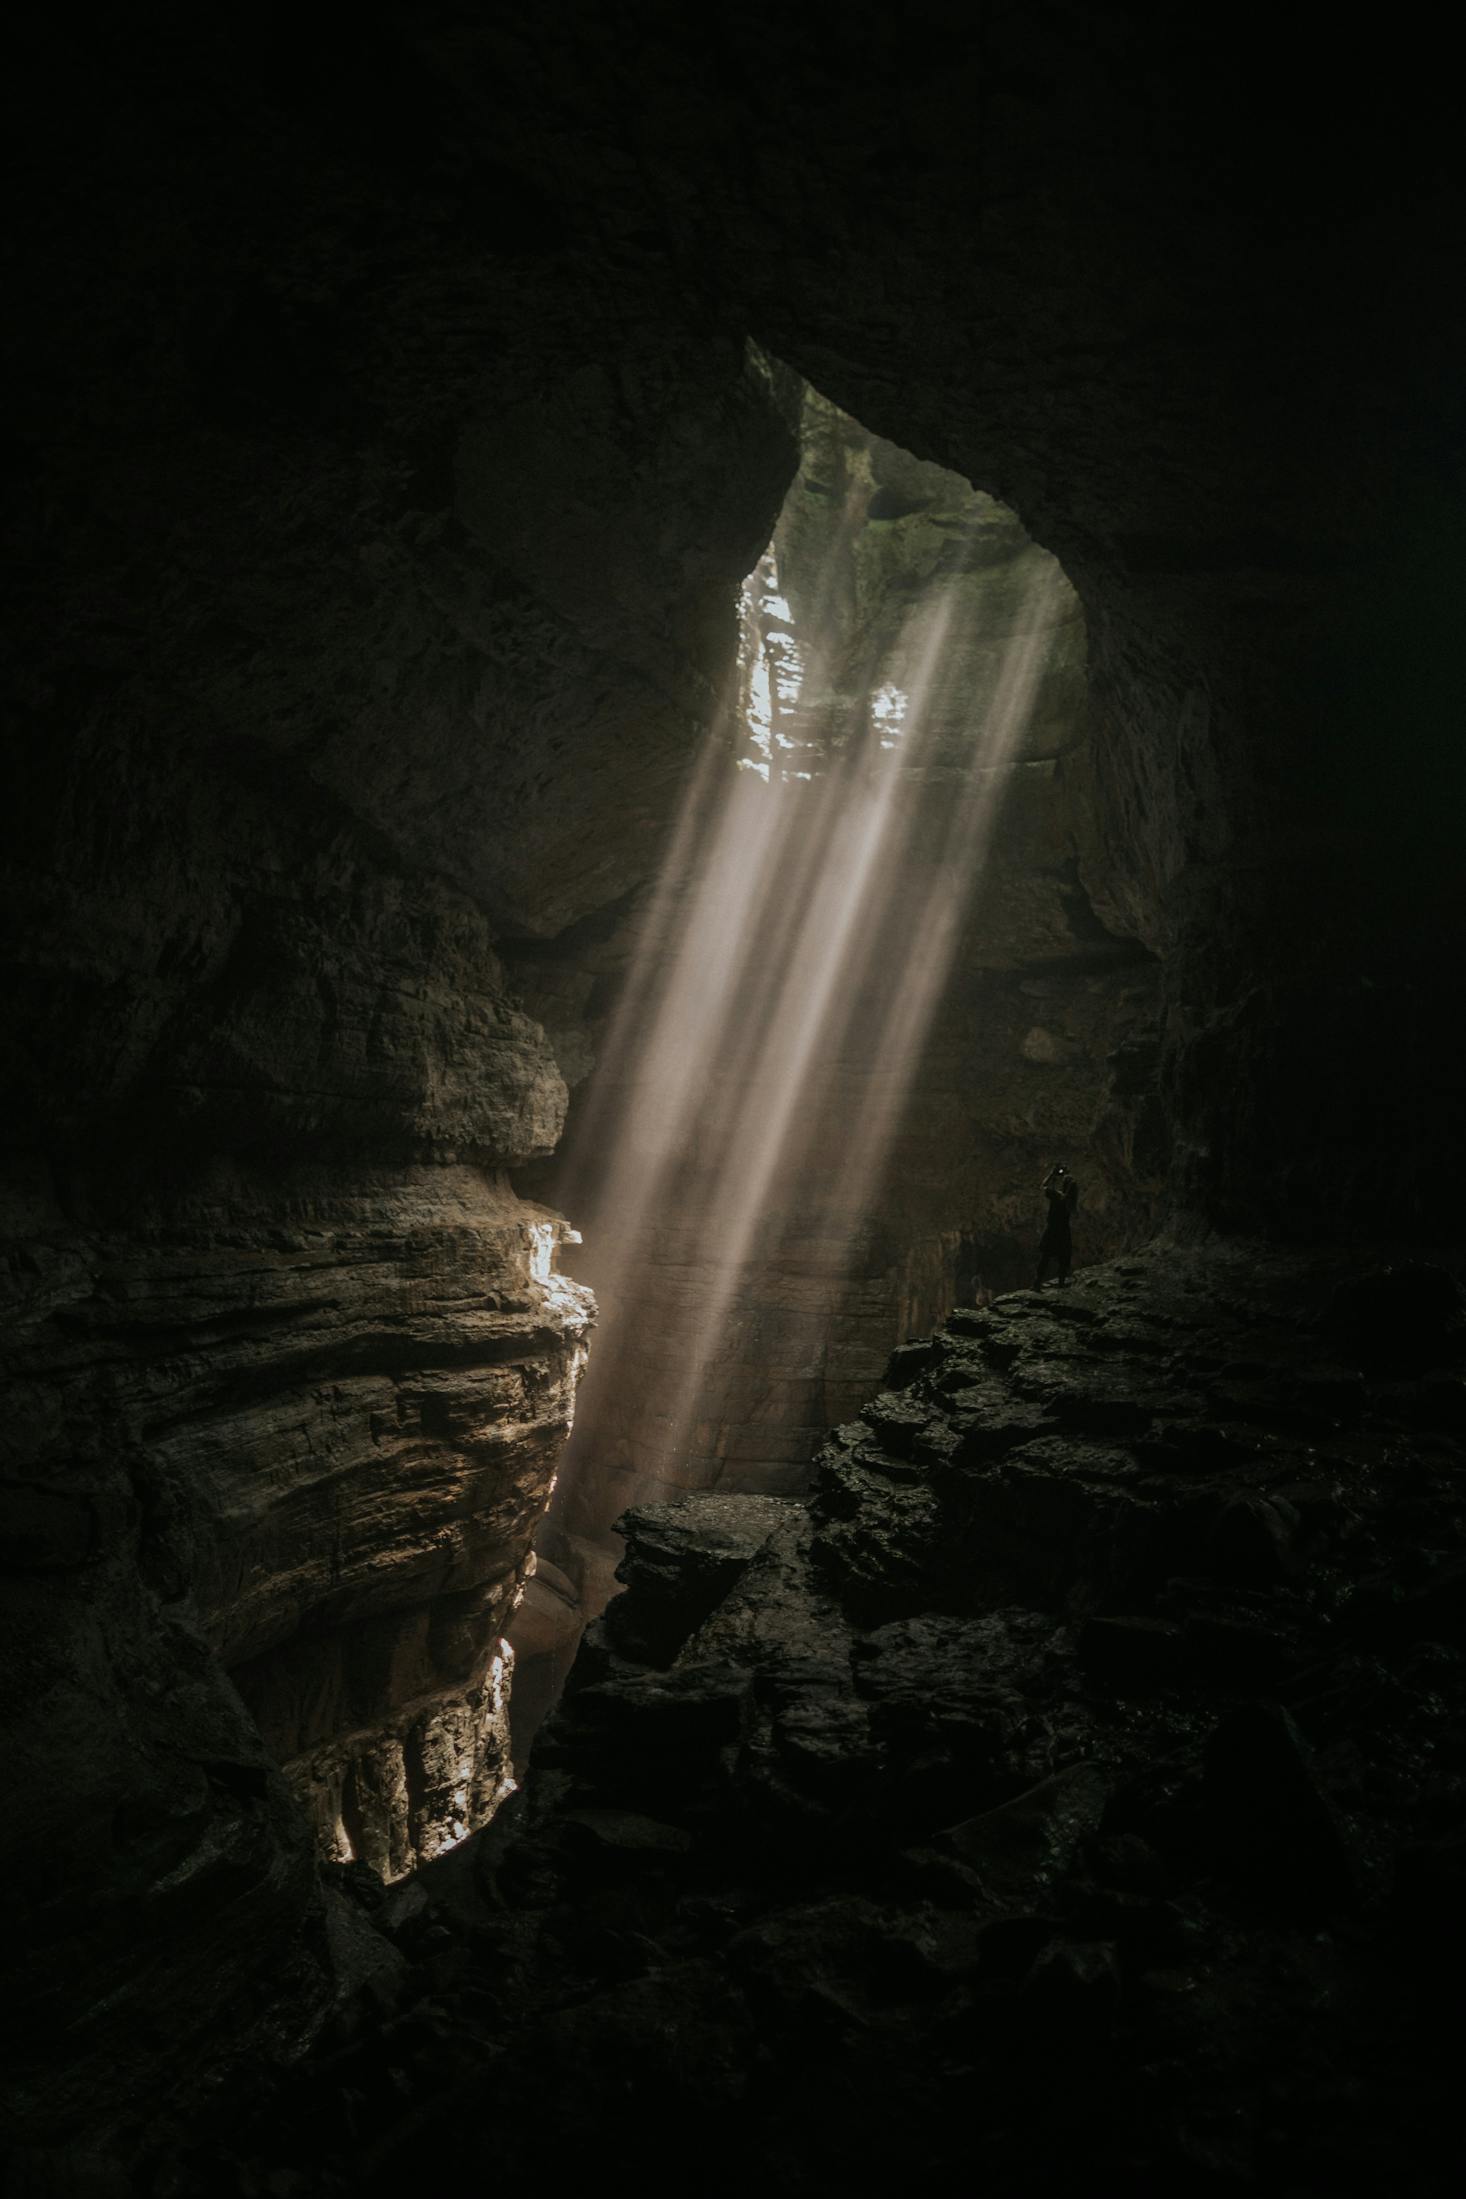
(653, 663)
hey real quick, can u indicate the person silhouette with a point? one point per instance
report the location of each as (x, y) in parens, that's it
(1056, 1247)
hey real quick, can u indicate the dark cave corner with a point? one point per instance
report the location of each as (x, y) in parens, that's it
(707, 685)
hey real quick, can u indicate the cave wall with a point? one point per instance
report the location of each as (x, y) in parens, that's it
(322, 481)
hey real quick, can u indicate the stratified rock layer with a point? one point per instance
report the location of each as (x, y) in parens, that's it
(303, 1443)
(1073, 1786)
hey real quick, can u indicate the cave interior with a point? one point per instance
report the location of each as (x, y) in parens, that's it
(654, 661)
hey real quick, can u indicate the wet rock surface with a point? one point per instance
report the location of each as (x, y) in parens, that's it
(1059, 1793)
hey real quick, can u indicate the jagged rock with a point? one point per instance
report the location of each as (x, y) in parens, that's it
(594, 2056)
(369, 1971)
(319, 1454)
(922, 1862)
(1128, 1654)
(817, 1747)
(651, 1741)
(778, 1613)
(682, 1558)
(1021, 1847)
(990, 1425)
(839, 1956)
(908, 1361)
(908, 1431)
(878, 1524)
(623, 1833)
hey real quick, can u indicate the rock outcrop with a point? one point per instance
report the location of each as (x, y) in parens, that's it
(358, 1589)
(277, 1516)
(1072, 1785)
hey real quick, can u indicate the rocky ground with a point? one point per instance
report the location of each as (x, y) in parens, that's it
(1073, 1786)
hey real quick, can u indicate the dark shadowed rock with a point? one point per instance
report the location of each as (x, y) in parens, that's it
(857, 1888)
(908, 1361)
(1269, 1822)
(1251, 1539)
(682, 1558)
(1406, 1318)
(1134, 1654)
(1035, 1837)
(1071, 1996)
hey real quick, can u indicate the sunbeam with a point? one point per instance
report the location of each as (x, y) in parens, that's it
(795, 950)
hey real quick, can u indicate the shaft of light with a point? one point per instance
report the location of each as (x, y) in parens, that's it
(946, 903)
(865, 888)
(764, 959)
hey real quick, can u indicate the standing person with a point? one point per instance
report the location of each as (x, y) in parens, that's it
(1056, 1248)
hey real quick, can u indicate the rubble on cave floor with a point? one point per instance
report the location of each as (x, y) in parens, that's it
(1077, 1785)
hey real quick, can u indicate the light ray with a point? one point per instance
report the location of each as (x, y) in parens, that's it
(936, 930)
(807, 917)
(856, 901)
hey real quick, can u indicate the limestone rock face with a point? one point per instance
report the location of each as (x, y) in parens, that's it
(358, 1587)
(306, 1430)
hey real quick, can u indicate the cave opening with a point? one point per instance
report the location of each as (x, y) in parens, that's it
(866, 940)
